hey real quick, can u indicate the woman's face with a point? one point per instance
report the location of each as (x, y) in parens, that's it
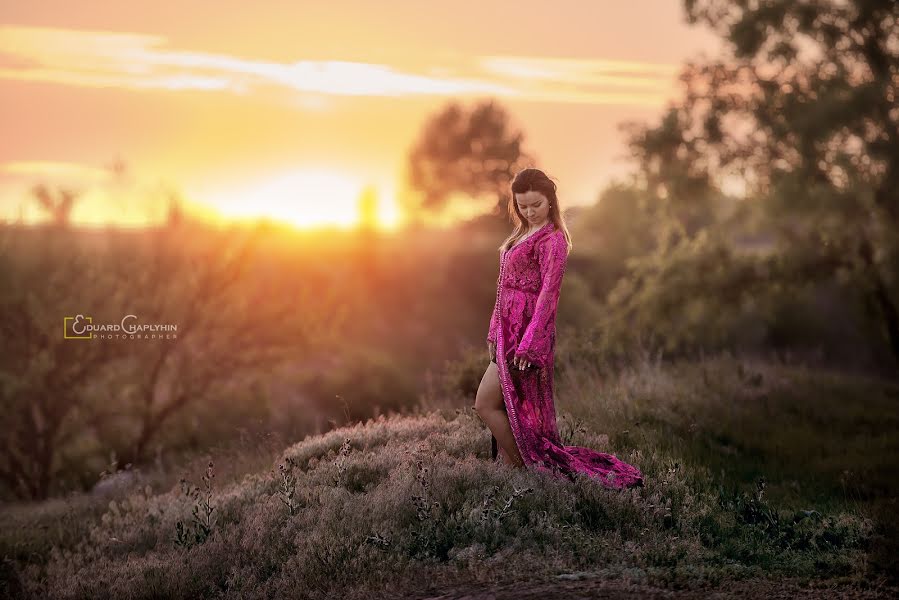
(534, 206)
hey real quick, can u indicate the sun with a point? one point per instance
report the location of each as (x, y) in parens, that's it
(305, 198)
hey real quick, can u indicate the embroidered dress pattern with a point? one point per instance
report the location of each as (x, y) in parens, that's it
(523, 325)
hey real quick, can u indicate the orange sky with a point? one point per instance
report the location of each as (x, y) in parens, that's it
(240, 107)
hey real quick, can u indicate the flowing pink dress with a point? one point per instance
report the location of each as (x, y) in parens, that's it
(523, 325)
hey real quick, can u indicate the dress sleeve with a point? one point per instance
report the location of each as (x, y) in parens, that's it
(491, 332)
(535, 344)
(494, 318)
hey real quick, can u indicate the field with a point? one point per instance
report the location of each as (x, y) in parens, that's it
(762, 477)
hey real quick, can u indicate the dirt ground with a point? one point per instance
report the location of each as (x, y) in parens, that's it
(577, 589)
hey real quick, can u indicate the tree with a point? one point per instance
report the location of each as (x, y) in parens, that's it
(59, 205)
(803, 108)
(475, 152)
(175, 216)
(618, 228)
(674, 172)
(236, 321)
(42, 375)
(231, 325)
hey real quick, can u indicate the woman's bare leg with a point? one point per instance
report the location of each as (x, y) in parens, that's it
(491, 409)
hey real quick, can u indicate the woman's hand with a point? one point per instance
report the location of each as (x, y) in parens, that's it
(491, 348)
(521, 363)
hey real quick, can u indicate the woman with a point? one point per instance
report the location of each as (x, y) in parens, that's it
(515, 397)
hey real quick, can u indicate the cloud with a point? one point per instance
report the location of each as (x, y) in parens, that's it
(137, 61)
(579, 80)
(141, 61)
(581, 71)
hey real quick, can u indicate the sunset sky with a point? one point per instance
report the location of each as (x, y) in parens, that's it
(289, 109)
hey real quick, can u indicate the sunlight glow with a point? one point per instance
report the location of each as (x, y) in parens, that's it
(306, 198)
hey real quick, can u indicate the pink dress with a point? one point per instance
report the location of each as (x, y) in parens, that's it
(523, 325)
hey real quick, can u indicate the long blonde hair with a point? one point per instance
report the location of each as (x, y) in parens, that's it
(527, 180)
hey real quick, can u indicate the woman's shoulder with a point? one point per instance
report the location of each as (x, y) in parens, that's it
(554, 242)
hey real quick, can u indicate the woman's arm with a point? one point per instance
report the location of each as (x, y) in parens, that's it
(552, 257)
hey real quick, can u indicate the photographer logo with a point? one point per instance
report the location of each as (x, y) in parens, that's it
(81, 327)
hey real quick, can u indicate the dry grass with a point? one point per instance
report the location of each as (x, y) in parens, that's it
(408, 505)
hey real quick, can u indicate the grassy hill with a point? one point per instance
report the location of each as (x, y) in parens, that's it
(757, 476)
